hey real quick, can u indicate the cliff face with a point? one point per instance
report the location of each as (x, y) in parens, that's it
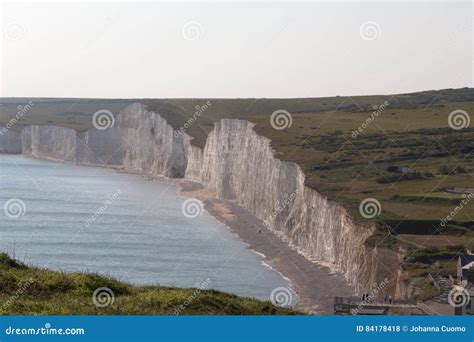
(99, 147)
(236, 164)
(140, 142)
(10, 141)
(49, 142)
(149, 143)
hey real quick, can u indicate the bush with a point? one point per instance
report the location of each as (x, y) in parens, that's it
(392, 168)
(404, 177)
(460, 169)
(6, 261)
(430, 255)
(444, 170)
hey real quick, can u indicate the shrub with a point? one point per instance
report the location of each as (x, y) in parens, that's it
(444, 170)
(460, 169)
(404, 177)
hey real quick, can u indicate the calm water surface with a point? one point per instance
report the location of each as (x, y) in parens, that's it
(140, 236)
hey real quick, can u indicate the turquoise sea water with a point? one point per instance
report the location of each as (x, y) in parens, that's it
(79, 218)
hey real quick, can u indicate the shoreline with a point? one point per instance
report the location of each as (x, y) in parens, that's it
(309, 280)
(315, 285)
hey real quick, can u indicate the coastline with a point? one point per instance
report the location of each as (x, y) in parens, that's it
(315, 285)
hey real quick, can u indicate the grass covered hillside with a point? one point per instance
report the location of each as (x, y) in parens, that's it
(28, 290)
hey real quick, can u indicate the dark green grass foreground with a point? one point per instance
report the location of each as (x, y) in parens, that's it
(28, 290)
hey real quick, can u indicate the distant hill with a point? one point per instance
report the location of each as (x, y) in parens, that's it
(77, 113)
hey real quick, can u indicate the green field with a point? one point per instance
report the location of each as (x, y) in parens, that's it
(28, 290)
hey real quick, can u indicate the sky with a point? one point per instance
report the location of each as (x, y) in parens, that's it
(233, 49)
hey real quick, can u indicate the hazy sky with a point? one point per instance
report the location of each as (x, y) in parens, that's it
(233, 49)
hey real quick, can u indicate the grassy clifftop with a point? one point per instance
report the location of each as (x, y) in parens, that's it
(28, 290)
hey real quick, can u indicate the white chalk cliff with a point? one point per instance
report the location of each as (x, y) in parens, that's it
(236, 164)
(10, 141)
